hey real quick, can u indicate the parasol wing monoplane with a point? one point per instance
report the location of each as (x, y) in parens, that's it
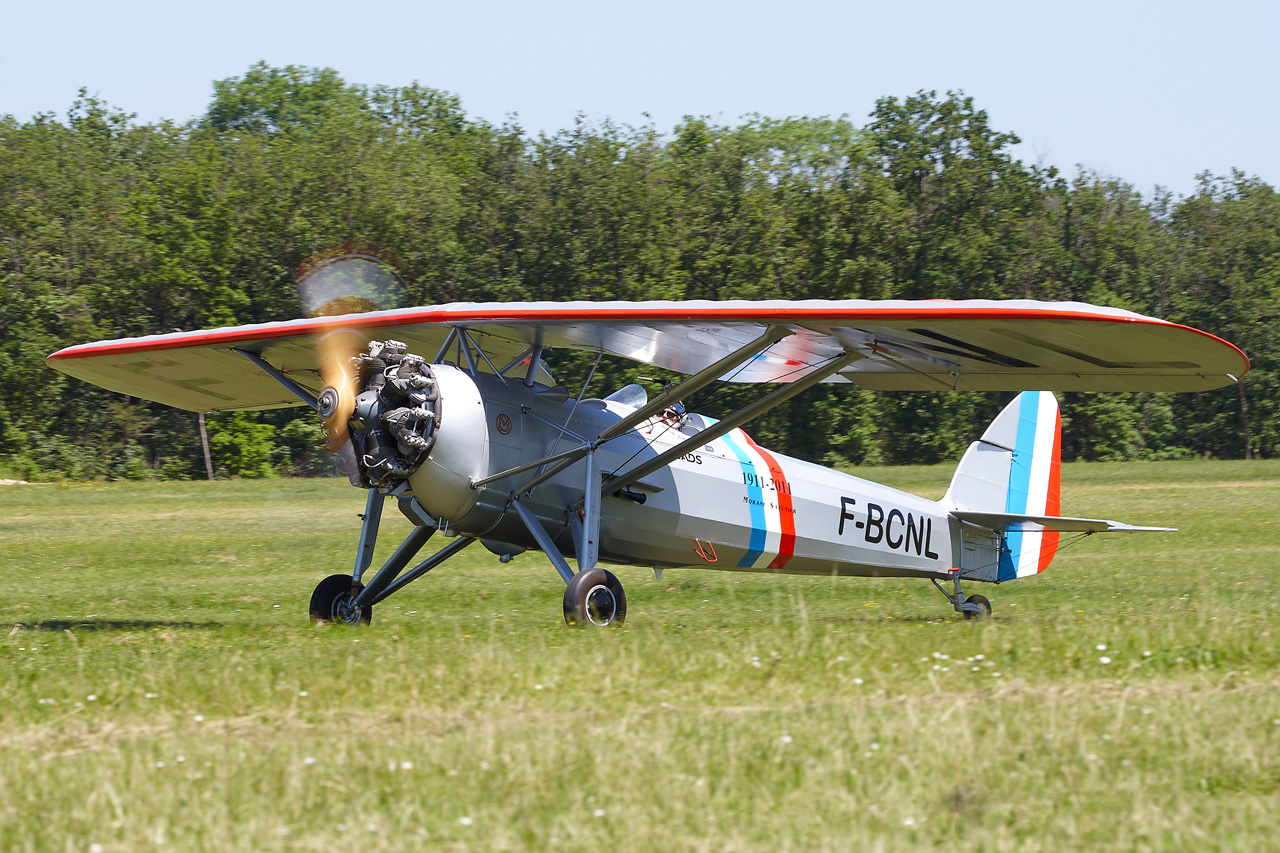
(451, 411)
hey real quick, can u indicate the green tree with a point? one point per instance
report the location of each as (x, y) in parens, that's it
(1226, 279)
(293, 99)
(968, 200)
(109, 227)
(240, 445)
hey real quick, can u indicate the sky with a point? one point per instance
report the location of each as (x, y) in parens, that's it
(1153, 93)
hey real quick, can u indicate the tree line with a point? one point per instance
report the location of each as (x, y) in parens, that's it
(110, 227)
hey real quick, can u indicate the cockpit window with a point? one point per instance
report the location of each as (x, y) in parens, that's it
(542, 376)
(633, 396)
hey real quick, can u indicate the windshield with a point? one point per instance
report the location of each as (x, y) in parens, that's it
(633, 396)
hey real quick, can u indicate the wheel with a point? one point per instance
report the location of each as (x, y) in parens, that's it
(981, 601)
(595, 597)
(334, 600)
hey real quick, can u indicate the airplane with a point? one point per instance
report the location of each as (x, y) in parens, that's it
(451, 411)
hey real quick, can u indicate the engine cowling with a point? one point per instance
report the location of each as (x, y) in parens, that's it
(442, 483)
(411, 420)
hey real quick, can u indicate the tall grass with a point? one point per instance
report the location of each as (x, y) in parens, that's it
(161, 688)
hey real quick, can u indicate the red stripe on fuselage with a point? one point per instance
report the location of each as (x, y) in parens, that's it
(786, 514)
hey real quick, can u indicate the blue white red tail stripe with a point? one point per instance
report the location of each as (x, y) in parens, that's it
(1034, 483)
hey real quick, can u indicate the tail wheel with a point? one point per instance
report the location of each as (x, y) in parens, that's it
(982, 602)
(595, 597)
(334, 602)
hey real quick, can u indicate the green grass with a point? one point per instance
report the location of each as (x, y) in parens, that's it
(160, 687)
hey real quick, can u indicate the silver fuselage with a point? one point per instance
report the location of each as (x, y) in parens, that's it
(727, 505)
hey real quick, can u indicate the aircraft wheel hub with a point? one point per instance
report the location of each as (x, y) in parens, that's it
(344, 610)
(601, 605)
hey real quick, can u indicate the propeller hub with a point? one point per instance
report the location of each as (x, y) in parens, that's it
(327, 402)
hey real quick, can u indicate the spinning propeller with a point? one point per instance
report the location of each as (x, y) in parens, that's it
(341, 379)
(347, 283)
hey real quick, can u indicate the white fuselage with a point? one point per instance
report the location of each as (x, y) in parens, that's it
(726, 504)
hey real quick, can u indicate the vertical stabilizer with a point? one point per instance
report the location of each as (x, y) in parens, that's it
(1015, 469)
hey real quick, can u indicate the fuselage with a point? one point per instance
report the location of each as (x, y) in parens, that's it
(726, 504)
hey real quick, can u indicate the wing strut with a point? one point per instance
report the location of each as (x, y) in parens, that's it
(591, 515)
(573, 454)
(297, 390)
(697, 382)
(737, 419)
(585, 527)
(444, 347)
(535, 358)
(466, 340)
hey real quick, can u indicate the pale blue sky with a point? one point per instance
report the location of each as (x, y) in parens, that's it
(1152, 92)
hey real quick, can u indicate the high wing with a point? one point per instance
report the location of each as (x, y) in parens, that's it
(969, 345)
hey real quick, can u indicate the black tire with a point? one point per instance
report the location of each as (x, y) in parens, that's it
(595, 597)
(981, 601)
(331, 602)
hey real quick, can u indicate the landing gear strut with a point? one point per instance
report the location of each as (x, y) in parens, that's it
(973, 606)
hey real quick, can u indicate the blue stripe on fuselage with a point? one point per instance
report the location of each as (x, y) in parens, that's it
(755, 498)
(1024, 448)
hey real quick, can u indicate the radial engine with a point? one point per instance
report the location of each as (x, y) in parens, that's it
(396, 414)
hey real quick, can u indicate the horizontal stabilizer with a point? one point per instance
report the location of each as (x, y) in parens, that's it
(1002, 521)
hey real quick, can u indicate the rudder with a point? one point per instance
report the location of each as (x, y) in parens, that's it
(1015, 468)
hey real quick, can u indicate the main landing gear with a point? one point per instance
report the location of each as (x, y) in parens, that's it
(346, 599)
(972, 606)
(592, 596)
(334, 601)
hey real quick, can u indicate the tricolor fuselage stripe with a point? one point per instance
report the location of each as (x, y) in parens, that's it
(755, 500)
(786, 512)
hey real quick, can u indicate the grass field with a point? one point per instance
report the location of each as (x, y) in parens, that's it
(162, 689)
